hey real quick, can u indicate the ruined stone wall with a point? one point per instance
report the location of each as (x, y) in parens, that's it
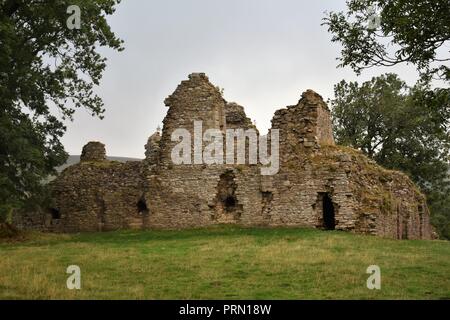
(99, 196)
(153, 150)
(93, 151)
(195, 99)
(303, 127)
(318, 184)
(179, 200)
(91, 197)
(236, 118)
(181, 196)
(39, 219)
(378, 201)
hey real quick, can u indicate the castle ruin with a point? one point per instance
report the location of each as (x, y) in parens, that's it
(318, 184)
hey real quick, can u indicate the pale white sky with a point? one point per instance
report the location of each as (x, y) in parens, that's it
(263, 53)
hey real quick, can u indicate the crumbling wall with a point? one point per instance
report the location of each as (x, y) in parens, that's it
(381, 202)
(365, 198)
(93, 151)
(236, 118)
(97, 195)
(195, 99)
(318, 184)
(153, 150)
(188, 195)
(306, 125)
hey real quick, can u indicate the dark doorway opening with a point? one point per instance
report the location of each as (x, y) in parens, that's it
(227, 207)
(329, 222)
(56, 214)
(230, 203)
(142, 207)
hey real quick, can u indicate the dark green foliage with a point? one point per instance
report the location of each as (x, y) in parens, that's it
(416, 32)
(47, 71)
(439, 200)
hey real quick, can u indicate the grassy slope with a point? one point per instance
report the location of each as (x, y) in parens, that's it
(71, 160)
(225, 262)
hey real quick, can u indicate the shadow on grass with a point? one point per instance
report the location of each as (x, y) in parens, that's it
(123, 238)
(139, 236)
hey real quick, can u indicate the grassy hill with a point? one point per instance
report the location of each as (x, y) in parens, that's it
(73, 159)
(224, 263)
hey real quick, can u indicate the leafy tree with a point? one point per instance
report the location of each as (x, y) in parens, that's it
(46, 68)
(416, 32)
(439, 202)
(401, 128)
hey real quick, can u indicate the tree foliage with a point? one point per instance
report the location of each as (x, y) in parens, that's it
(47, 71)
(401, 128)
(416, 32)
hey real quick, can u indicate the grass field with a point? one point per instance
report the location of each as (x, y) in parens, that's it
(223, 263)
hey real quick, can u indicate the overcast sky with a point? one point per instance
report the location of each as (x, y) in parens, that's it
(263, 53)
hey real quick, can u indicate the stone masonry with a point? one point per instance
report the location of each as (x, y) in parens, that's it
(319, 184)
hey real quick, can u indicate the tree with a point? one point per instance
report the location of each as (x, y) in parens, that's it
(48, 69)
(401, 128)
(416, 32)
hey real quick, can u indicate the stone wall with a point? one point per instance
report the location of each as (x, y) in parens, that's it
(93, 151)
(236, 118)
(370, 199)
(318, 185)
(195, 99)
(97, 195)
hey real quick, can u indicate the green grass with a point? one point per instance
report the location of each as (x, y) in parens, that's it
(223, 263)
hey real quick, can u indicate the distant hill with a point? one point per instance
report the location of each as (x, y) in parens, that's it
(75, 159)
